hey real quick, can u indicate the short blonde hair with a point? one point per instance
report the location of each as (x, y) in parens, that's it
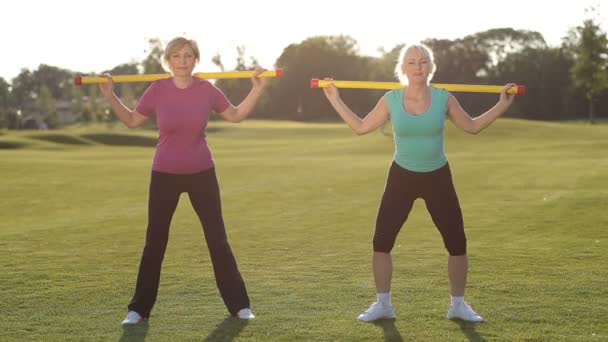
(424, 50)
(178, 43)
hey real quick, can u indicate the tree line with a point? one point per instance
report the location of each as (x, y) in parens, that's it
(567, 82)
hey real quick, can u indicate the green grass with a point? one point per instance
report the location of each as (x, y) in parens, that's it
(299, 203)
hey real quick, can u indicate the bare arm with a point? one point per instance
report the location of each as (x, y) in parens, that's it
(464, 121)
(241, 112)
(369, 123)
(130, 118)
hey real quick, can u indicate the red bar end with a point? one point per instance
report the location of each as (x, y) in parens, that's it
(280, 73)
(521, 90)
(78, 80)
(314, 83)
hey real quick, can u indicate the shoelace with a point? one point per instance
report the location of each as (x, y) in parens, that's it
(371, 307)
(133, 316)
(469, 311)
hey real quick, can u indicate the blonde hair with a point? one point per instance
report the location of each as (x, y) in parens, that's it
(178, 43)
(424, 50)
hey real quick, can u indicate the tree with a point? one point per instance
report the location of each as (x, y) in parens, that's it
(57, 80)
(77, 102)
(134, 89)
(473, 59)
(153, 62)
(47, 107)
(217, 60)
(498, 43)
(319, 57)
(237, 89)
(383, 69)
(544, 71)
(5, 94)
(590, 70)
(93, 111)
(23, 88)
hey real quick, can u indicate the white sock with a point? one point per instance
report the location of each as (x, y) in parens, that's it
(384, 298)
(456, 301)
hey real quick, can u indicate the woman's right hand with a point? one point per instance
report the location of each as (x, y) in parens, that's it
(331, 92)
(107, 88)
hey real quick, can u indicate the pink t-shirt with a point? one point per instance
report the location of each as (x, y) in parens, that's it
(182, 116)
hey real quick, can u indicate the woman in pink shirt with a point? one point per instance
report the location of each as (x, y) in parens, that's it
(183, 163)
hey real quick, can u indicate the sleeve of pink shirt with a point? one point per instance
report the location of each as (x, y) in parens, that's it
(220, 102)
(147, 102)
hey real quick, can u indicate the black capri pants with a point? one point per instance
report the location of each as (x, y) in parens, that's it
(436, 188)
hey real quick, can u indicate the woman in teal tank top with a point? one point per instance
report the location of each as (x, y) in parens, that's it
(420, 169)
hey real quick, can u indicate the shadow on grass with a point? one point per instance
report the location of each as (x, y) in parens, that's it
(227, 330)
(468, 329)
(212, 129)
(121, 139)
(134, 333)
(59, 139)
(11, 145)
(391, 334)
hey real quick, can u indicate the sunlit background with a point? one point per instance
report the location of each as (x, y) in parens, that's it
(91, 37)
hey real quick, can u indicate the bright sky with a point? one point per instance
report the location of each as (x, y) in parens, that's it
(91, 36)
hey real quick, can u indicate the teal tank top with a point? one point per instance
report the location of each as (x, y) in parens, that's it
(419, 139)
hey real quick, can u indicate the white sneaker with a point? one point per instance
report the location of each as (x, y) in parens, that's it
(463, 312)
(132, 318)
(377, 311)
(245, 314)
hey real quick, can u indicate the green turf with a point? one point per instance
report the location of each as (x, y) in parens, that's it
(299, 204)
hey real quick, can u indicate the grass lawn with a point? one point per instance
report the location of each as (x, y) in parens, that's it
(299, 204)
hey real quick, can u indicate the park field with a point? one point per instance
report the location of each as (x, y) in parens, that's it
(299, 202)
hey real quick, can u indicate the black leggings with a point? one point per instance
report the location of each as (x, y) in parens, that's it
(403, 187)
(204, 193)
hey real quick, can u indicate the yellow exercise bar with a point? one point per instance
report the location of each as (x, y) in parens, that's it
(79, 80)
(468, 88)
